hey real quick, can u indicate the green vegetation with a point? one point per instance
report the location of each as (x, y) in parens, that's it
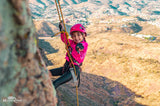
(150, 65)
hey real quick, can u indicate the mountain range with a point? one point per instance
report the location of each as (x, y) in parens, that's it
(95, 8)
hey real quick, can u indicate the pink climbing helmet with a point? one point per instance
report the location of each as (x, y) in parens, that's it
(78, 27)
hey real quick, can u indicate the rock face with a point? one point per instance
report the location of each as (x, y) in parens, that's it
(131, 28)
(23, 76)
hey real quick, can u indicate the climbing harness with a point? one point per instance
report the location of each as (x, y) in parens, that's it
(73, 75)
(61, 19)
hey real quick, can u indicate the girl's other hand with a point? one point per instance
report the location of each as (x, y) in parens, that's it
(61, 27)
(79, 47)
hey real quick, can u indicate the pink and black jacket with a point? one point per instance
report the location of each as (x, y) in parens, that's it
(78, 56)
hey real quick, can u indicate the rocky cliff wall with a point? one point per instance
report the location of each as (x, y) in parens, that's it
(23, 76)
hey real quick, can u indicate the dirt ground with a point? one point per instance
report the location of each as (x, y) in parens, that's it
(118, 69)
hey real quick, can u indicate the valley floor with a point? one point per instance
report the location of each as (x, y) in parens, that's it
(119, 70)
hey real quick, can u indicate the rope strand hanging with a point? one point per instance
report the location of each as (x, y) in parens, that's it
(61, 19)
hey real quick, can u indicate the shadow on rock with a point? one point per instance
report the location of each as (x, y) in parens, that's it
(47, 47)
(47, 62)
(97, 91)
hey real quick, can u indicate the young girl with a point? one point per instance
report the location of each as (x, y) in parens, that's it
(78, 49)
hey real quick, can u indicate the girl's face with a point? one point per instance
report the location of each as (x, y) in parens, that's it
(77, 37)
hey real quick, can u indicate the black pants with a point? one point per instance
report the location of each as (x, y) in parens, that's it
(65, 74)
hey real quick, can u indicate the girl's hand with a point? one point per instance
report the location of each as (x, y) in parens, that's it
(79, 47)
(61, 27)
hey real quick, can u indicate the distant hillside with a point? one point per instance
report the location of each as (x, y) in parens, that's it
(47, 29)
(93, 8)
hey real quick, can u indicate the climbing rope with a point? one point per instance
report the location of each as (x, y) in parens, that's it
(61, 19)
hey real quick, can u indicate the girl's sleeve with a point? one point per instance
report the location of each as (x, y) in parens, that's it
(64, 38)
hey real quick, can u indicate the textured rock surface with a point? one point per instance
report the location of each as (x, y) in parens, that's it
(22, 71)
